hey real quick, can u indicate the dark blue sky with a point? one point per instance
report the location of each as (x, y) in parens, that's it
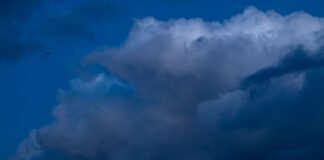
(68, 30)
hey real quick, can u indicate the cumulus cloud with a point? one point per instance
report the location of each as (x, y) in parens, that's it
(246, 88)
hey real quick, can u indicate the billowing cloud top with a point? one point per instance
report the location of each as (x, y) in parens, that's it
(247, 88)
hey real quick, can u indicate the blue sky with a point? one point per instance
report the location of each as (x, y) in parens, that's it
(69, 30)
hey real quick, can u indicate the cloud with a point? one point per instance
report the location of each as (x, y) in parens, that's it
(278, 120)
(174, 90)
(298, 61)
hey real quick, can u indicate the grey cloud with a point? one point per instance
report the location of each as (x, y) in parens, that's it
(173, 92)
(280, 120)
(297, 61)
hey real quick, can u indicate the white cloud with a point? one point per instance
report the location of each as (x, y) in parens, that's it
(176, 67)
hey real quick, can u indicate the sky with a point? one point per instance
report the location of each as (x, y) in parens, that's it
(161, 79)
